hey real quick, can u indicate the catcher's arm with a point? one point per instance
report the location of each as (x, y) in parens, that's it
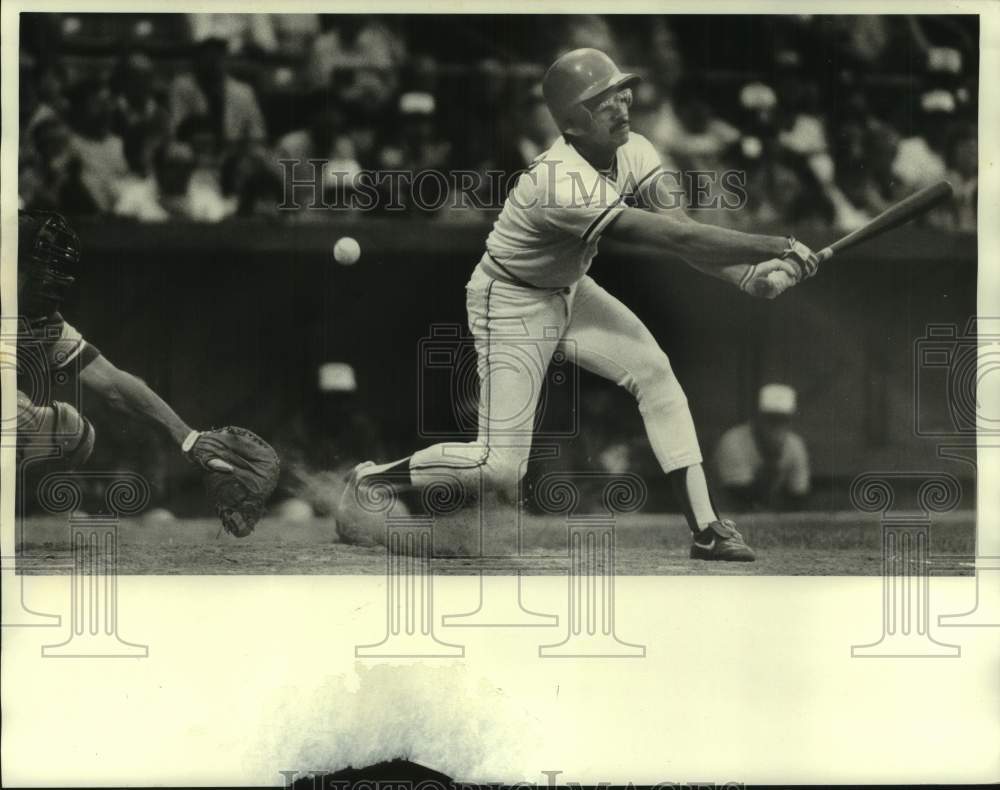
(132, 397)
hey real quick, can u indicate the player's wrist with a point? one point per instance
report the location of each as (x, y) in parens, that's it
(778, 246)
(189, 441)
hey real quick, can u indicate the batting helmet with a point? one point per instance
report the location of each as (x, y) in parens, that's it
(577, 76)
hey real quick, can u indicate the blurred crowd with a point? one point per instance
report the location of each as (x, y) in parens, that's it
(164, 117)
(156, 117)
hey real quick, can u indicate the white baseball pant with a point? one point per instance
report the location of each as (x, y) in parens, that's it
(516, 331)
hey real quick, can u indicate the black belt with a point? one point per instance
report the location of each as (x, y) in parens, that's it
(505, 275)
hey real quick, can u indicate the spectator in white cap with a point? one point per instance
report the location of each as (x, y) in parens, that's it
(763, 464)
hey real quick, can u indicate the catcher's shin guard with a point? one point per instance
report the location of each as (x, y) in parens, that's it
(57, 426)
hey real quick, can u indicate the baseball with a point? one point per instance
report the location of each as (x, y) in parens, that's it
(346, 251)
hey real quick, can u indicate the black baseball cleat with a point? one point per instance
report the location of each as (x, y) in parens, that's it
(720, 541)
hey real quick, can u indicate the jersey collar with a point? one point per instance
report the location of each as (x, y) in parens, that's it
(610, 174)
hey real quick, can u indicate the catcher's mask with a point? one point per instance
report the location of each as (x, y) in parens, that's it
(48, 256)
(574, 79)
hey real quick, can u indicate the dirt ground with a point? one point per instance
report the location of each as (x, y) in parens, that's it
(786, 544)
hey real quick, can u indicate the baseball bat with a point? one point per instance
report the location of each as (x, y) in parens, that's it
(894, 216)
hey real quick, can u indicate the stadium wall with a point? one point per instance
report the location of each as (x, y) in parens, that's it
(230, 323)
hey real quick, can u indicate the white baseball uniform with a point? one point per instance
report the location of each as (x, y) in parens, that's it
(530, 297)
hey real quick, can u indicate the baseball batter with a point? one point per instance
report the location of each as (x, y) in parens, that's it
(530, 297)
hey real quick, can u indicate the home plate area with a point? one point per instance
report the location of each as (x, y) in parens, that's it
(831, 543)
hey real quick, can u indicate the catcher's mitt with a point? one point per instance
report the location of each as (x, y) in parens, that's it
(241, 472)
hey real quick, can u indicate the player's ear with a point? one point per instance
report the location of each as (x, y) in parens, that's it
(581, 122)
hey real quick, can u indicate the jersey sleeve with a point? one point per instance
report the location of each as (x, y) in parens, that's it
(63, 344)
(583, 203)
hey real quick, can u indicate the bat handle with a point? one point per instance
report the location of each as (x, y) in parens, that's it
(825, 254)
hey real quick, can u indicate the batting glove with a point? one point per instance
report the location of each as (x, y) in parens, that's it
(807, 260)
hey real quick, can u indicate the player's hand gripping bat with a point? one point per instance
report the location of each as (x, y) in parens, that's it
(894, 216)
(776, 282)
